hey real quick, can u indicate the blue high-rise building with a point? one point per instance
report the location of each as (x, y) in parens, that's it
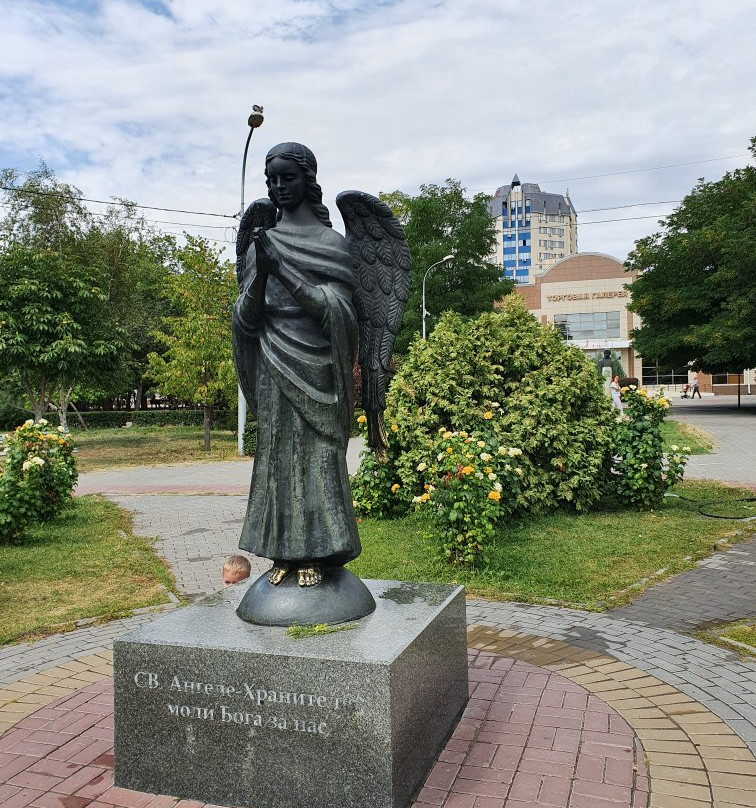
(534, 229)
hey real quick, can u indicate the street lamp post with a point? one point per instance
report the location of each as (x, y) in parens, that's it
(443, 260)
(254, 121)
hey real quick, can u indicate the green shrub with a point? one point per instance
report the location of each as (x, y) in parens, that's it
(250, 435)
(551, 406)
(475, 482)
(641, 472)
(11, 415)
(110, 419)
(37, 477)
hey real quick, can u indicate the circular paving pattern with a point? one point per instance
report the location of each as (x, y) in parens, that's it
(532, 737)
(528, 737)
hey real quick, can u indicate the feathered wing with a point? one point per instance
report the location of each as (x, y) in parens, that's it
(260, 214)
(382, 270)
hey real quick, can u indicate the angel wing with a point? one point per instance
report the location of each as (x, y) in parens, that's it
(382, 269)
(260, 214)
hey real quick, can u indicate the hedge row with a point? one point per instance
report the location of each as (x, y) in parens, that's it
(108, 419)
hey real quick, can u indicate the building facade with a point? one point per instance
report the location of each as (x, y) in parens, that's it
(584, 296)
(534, 230)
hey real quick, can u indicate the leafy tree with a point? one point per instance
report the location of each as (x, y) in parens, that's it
(696, 292)
(56, 326)
(442, 221)
(66, 334)
(135, 264)
(43, 212)
(116, 253)
(197, 364)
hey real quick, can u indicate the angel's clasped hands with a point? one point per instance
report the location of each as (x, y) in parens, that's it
(268, 259)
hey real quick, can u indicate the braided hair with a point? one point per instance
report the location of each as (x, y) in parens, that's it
(305, 159)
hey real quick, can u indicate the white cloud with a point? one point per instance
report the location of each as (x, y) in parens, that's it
(149, 100)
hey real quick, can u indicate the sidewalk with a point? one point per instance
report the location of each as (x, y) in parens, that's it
(734, 432)
(568, 709)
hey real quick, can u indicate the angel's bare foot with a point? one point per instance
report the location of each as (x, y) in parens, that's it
(278, 572)
(309, 575)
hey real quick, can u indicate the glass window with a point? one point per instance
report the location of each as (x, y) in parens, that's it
(725, 378)
(589, 325)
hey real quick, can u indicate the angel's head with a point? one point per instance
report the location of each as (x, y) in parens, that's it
(299, 164)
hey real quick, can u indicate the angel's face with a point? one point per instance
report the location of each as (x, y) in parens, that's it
(287, 183)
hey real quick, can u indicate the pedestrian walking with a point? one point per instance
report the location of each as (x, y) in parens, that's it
(695, 388)
(615, 391)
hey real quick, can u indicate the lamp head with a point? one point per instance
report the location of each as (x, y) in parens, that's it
(256, 118)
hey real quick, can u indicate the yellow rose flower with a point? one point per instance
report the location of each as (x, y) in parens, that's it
(394, 427)
(424, 497)
(446, 435)
(487, 469)
(488, 415)
(362, 419)
(395, 487)
(449, 450)
(481, 444)
(468, 470)
(494, 495)
(421, 466)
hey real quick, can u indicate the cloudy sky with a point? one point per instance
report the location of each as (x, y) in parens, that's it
(148, 100)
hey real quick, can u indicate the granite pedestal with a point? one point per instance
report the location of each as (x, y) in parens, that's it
(211, 708)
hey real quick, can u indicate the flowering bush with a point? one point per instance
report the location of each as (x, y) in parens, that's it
(641, 472)
(472, 484)
(552, 407)
(38, 476)
(383, 489)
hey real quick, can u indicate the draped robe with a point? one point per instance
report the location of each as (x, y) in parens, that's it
(294, 350)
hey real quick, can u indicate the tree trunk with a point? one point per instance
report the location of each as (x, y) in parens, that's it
(207, 409)
(79, 418)
(139, 397)
(39, 405)
(65, 394)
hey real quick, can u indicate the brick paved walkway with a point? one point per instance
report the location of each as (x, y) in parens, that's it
(528, 736)
(721, 588)
(548, 724)
(194, 535)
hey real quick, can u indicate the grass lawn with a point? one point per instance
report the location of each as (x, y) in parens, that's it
(84, 563)
(676, 432)
(150, 446)
(100, 449)
(741, 632)
(574, 559)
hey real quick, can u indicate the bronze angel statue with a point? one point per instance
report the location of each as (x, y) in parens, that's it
(309, 300)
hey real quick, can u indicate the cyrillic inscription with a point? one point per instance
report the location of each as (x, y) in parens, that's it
(264, 698)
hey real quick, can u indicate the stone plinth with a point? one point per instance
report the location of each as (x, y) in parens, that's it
(211, 708)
